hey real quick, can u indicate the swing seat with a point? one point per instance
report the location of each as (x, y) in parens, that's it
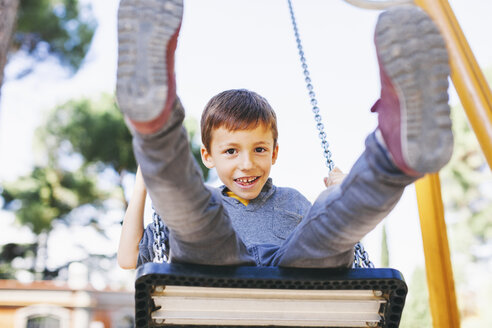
(186, 295)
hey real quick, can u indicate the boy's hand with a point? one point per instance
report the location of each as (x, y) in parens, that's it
(335, 177)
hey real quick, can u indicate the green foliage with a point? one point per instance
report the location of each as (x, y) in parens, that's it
(467, 184)
(95, 129)
(92, 130)
(61, 25)
(385, 258)
(95, 134)
(47, 194)
(11, 251)
(416, 313)
(465, 181)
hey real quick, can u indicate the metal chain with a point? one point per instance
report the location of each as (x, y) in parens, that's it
(361, 257)
(160, 246)
(312, 96)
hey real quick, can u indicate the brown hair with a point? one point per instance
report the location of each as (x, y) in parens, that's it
(237, 109)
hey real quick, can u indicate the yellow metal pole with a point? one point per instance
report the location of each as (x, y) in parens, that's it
(467, 77)
(442, 295)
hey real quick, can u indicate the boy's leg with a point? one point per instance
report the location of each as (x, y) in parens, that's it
(413, 138)
(200, 230)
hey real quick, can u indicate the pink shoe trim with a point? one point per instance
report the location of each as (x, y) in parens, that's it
(390, 114)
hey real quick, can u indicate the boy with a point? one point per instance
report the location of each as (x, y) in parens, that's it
(250, 221)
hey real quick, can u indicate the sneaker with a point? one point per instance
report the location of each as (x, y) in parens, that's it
(147, 39)
(413, 110)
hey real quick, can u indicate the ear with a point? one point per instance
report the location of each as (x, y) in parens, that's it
(207, 159)
(275, 154)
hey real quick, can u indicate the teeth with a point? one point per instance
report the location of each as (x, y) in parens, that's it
(245, 180)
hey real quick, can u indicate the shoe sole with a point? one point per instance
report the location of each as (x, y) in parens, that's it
(145, 29)
(414, 56)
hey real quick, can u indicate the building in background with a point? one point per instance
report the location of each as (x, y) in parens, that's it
(64, 304)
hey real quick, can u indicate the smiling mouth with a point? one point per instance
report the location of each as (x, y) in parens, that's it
(246, 181)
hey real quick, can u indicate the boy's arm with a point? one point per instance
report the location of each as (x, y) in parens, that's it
(133, 227)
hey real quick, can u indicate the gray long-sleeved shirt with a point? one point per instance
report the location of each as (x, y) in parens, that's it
(266, 220)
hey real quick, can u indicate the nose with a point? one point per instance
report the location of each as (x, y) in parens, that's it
(246, 162)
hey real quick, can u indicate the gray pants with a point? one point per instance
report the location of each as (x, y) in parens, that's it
(201, 231)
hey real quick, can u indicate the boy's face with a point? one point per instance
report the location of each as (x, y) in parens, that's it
(242, 158)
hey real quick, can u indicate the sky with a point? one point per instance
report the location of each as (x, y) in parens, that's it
(226, 44)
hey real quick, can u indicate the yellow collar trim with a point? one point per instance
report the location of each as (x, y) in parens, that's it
(245, 202)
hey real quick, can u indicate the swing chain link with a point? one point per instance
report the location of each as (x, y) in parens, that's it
(361, 257)
(160, 248)
(312, 96)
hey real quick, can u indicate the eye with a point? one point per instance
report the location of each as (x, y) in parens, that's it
(260, 150)
(230, 151)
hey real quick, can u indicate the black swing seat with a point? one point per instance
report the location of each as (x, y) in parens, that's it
(185, 295)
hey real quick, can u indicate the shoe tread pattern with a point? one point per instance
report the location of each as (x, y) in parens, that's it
(144, 30)
(414, 56)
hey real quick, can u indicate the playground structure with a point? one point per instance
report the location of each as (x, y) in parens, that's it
(476, 98)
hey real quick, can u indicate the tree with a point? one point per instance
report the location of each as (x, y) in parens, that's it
(93, 135)
(45, 28)
(466, 184)
(96, 130)
(416, 313)
(385, 258)
(466, 180)
(8, 10)
(11, 251)
(45, 195)
(54, 27)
